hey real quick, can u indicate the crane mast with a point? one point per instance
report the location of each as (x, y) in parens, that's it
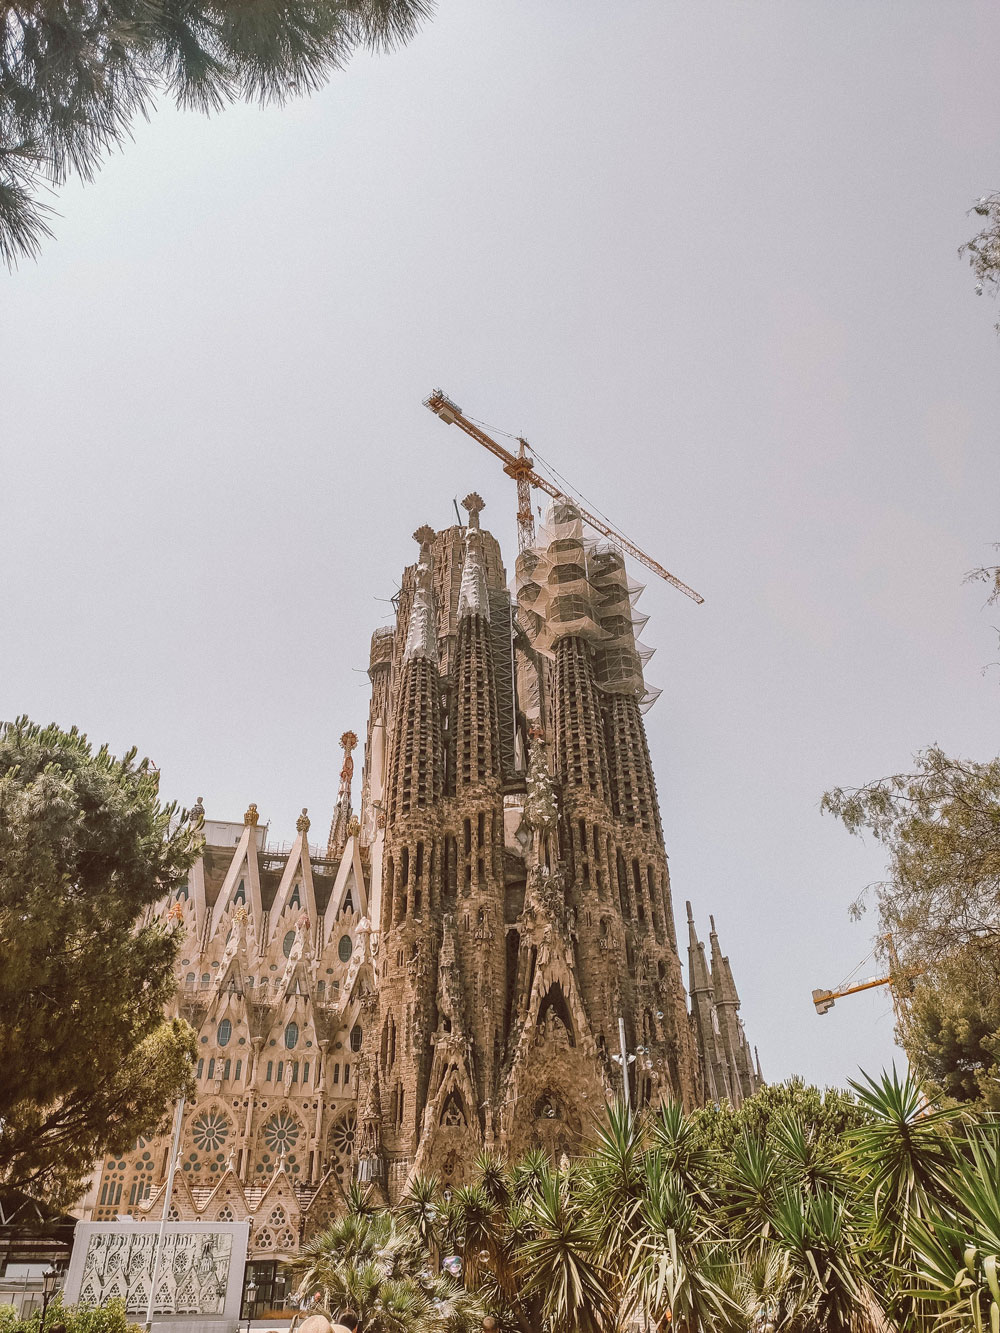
(521, 467)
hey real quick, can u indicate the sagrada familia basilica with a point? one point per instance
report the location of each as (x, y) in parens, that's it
(463, 965)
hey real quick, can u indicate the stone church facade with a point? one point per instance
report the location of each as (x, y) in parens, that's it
(453, 971)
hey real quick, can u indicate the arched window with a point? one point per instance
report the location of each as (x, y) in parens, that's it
(224, 1032)
(345, 948)
(291, 1035)
(287, 943)
(356, 1037)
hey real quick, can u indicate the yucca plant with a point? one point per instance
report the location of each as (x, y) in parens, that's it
(561, 1270)
(750, 1184)
(676, 1251)
(681, 1145)
(828, 1264)
(954, 1249)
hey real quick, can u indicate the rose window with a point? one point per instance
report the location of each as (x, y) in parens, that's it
(210, 1131)
(342, 1139)
(281, 1132)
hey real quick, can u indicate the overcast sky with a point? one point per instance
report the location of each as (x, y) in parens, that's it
(704, 256)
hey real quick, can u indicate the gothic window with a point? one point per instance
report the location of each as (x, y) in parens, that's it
(270, 1071)
(241, 894)
(226, 1068)
(336, 1073)
(239, 1068)
(281, 1132)
(291, 1035)
(294, 900)
(206, 979)
(277, 1217)
(211, 1068)
(224, 1032)
(345, 948)
(226, 1214)
(356, 1036)
(210, 1131)
(281, 1070)
(189, 979)
(201, 1067)
(343, 1136)
(287, 942)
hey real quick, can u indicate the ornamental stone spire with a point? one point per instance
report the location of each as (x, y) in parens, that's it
(473, 598)
(421, 638)
(340, 828)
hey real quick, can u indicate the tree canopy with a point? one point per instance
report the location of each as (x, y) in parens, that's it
(940, 907)
(74, 74)
(89, 1061)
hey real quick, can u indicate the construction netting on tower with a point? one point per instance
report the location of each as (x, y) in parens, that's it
(570, 584)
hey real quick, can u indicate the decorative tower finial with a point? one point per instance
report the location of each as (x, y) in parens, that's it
(251, 817)
(473, 596)
(421, 640)
(341, 829)
(303, 821)
(197, 814)
(473, 504)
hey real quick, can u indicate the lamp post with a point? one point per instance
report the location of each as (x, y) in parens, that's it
(49, 1280)
(251, 1294)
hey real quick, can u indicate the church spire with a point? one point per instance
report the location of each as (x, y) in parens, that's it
(342, 810)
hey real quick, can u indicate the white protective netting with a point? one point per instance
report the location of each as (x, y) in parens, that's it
(571, 584)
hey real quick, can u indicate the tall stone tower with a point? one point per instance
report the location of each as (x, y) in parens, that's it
(521, 903)
(451, 971)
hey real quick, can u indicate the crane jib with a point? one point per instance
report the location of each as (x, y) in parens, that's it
(520, 468)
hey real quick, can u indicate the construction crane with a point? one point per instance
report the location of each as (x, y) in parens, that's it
(897, 977)
(823, 999)
(521, 466)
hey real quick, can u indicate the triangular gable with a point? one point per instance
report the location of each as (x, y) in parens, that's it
(228, 1191)
(350, 879)
(298, 870)
(181, 1201)
(326, 1205)
(280, 1190)
(242, 869)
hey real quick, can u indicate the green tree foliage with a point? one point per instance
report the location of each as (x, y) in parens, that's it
(940, 907)
(74, 74)
(108, 1318)
(89, 1061)
(827, 1113)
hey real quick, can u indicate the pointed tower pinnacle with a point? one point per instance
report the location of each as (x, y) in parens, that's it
(421, 639)
(340, 827)
(473, 598)
(699, 978)
(722, 974)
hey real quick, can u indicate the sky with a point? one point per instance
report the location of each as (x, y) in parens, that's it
(704, 256)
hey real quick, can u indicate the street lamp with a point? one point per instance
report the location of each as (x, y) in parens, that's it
(251, 1298)
(49, 1280)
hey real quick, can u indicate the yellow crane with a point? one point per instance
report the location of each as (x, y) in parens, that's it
(521, 466)
(896, 979)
